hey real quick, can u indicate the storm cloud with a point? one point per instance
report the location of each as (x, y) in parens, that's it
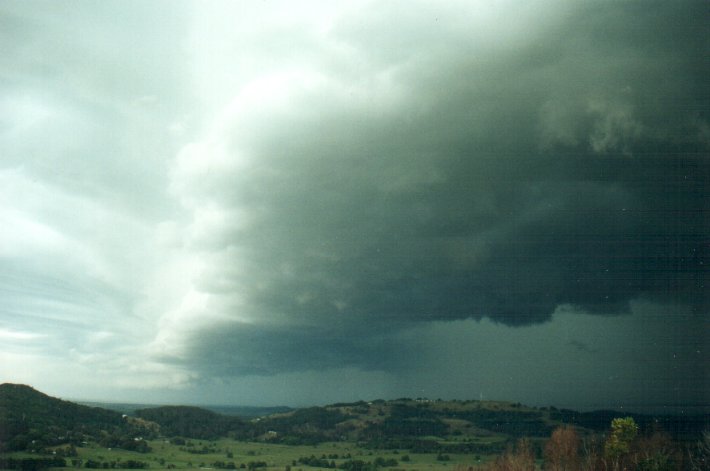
(453, 171)
(208, 192)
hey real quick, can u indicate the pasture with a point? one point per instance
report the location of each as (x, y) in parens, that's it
(197, 455)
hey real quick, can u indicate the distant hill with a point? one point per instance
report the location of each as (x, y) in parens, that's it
(421, 424)
(248, 411)
(244, 412)
(193, 422)
(29, 417)
(32, 420)
(418, 425)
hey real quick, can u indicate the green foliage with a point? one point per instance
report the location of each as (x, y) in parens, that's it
(416, 445)
(308, 426)
(224, 465)
(623, 432)
(125, 442)
(128, 464)
(256, 464)
(686, 427)
(321, 462)
(407, 427)
(31, 464)
(516, 422)
(656, 462)
(30, 420)
(193, 422)
(381, 462)
(358, 465)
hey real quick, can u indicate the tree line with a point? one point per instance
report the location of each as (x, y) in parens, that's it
(621, 449)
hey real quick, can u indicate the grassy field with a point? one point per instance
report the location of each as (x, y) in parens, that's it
(203, 454)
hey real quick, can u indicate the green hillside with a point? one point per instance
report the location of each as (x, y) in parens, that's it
(243, 412)
(415, 425)
(30, 419)
(193, 422)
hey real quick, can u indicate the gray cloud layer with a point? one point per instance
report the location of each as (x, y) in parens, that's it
(463, 174)
(219, 190)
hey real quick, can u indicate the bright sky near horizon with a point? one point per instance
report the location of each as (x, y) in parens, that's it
(298, 203)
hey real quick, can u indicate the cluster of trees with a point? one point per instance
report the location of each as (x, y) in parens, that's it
(683, 427)
(31, 464)
(251, 465)
(302, 427)
(125, 442)
(422, 420)
(360, 465)
(405, 421)
(422, 445)
(193, 422)
(308, 426)
(315, 462)
(516, 423)
(32, 421)
(39, 464)
(225, 465)
(38, 441)
(203, 450)
(622, 449)
(349, 465)
(127, 464)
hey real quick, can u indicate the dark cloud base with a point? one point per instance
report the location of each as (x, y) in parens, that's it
(570, 170)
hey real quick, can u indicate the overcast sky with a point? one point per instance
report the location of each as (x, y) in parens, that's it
(301, 203)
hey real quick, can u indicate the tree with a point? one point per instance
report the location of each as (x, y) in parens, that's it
(520, 459)
(617, 446)
(562, 450)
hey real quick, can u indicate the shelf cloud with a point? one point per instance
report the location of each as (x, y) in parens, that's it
(273, 190)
